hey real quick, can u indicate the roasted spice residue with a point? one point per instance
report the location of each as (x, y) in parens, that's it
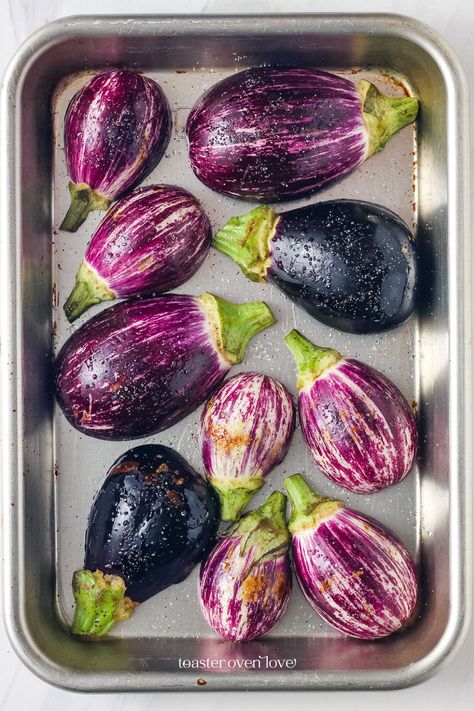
(325, 585)
(173, 497)
(280, 584)
(118, 382)
(150, 478)
(252, 586)
(124, 467)
(87, 414)
(225, 440)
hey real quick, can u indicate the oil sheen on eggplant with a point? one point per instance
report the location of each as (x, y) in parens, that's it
(153, 519)
(350, 264)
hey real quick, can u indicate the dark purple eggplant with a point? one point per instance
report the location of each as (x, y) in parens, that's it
(149, 242)
(274, 133)
(352, 570)
(142, 365)
(352, 265)
(116, 130)
(245, 584)
(153, 519)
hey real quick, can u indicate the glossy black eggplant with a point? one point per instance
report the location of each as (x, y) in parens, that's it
(352, 265)
(153, 519)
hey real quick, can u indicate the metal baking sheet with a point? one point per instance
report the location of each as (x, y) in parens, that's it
(53, 471)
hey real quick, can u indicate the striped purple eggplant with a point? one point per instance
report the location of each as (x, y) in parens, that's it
(357, 425)
(142, 365)
(280, 133)
(352, 570)
(246, 429)
(350, 264)
(116, 129)
(149, 242)
(245, 583)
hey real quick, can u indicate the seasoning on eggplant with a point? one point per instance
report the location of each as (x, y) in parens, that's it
(357, 425)
(116, 129)
(149, 242)
(349, 264)
(153, 519)
(245, 583)
(246, 429)
(142, 365)
(276, 133)
(352, 570)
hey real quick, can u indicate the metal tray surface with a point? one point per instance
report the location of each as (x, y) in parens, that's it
(51, 472)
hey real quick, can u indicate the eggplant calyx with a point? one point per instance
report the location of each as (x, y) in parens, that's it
(100, 603)
(83, 201)
(234, 325)
(234, 495)
(264, 530)
(308, 509)
(383, 115)
(89, 289)
(312, 361)
(246, 240)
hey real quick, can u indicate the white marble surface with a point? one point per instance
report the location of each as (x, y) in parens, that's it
(453, 687)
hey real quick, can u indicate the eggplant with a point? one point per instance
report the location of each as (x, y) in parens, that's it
(142, 365)
(352, 265)
(357, 425)
(352, 570)
(116, 130)
(245, 583)
(246, 429)
(153, 519)
(278, 133)
(149, 242)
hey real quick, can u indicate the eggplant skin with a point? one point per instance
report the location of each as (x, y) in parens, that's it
(149, 242)
(153, 519)
(240, 597)
(138, 367)
(276, 133)
(358, 427)
(356, 574)
(351, 265)
(116, 130)
(246, 429)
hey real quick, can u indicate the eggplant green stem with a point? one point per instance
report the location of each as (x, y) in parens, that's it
(89, 289)
(308, 508)
(234, 495)
(83, 201)
(383, 115)
(100, 603)
(265, 529)
(246, 240)
(312, 361)
(234, 325)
